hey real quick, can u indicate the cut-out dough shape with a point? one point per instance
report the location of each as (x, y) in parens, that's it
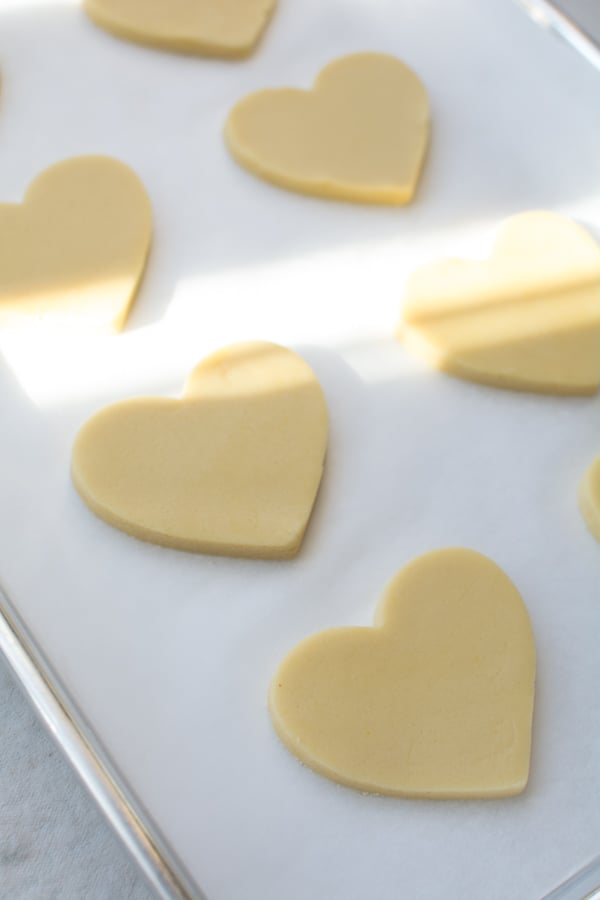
(435, 701)
(73, 253)
(528, 318)
(227, 28)
(589, 497)
(360, 134)
(232, 468)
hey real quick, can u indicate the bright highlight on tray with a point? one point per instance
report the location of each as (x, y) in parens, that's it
(434, 701)
(232, 468)
(527, 318)
(73, 253)
(360, 134)
(227, 28)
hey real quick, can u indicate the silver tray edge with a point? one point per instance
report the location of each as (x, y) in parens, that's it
(164, 872)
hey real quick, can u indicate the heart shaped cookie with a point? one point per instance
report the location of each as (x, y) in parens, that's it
(435, 701)
(74, 251)
(360, 134)
(226, 28)
(589, 497)
(232, 468)
(527, 318)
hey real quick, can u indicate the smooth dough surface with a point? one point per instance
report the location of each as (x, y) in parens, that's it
(435, 701)
(527, 318)
(232, 468)
(360, 134)
(73, 253)
(589, 497)
(208, 27)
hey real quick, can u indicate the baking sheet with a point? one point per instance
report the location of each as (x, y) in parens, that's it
(168, 654)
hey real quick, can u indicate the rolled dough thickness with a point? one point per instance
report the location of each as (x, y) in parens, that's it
(227, 28)
(359, 135)
(232, 468)
(73, 253)
(434, 701)
(528, 318)
(589, 497)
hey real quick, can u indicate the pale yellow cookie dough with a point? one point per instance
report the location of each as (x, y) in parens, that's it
(232, 468)
(527, 318)
(227, 28)
(74, 251)
(589, 497)
(360, 134)
(435, 701)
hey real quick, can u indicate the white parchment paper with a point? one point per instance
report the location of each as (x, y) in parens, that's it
(170, 654)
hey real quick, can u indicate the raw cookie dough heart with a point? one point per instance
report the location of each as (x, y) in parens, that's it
(527, 318)
(210, 27)
(589, 497)
(435, 701)
(233, 468)
(74, 251)
(360, 134)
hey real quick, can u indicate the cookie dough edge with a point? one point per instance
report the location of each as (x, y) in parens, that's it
(158, 538)
(133, 35)
(587, 506)
(435, 358)
(117, 322)
(320, 189)
(295, 748)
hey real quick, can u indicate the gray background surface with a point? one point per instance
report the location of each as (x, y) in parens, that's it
(54, 844)
(585, 12)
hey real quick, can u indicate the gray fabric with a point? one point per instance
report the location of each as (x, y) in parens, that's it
(54, 843)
